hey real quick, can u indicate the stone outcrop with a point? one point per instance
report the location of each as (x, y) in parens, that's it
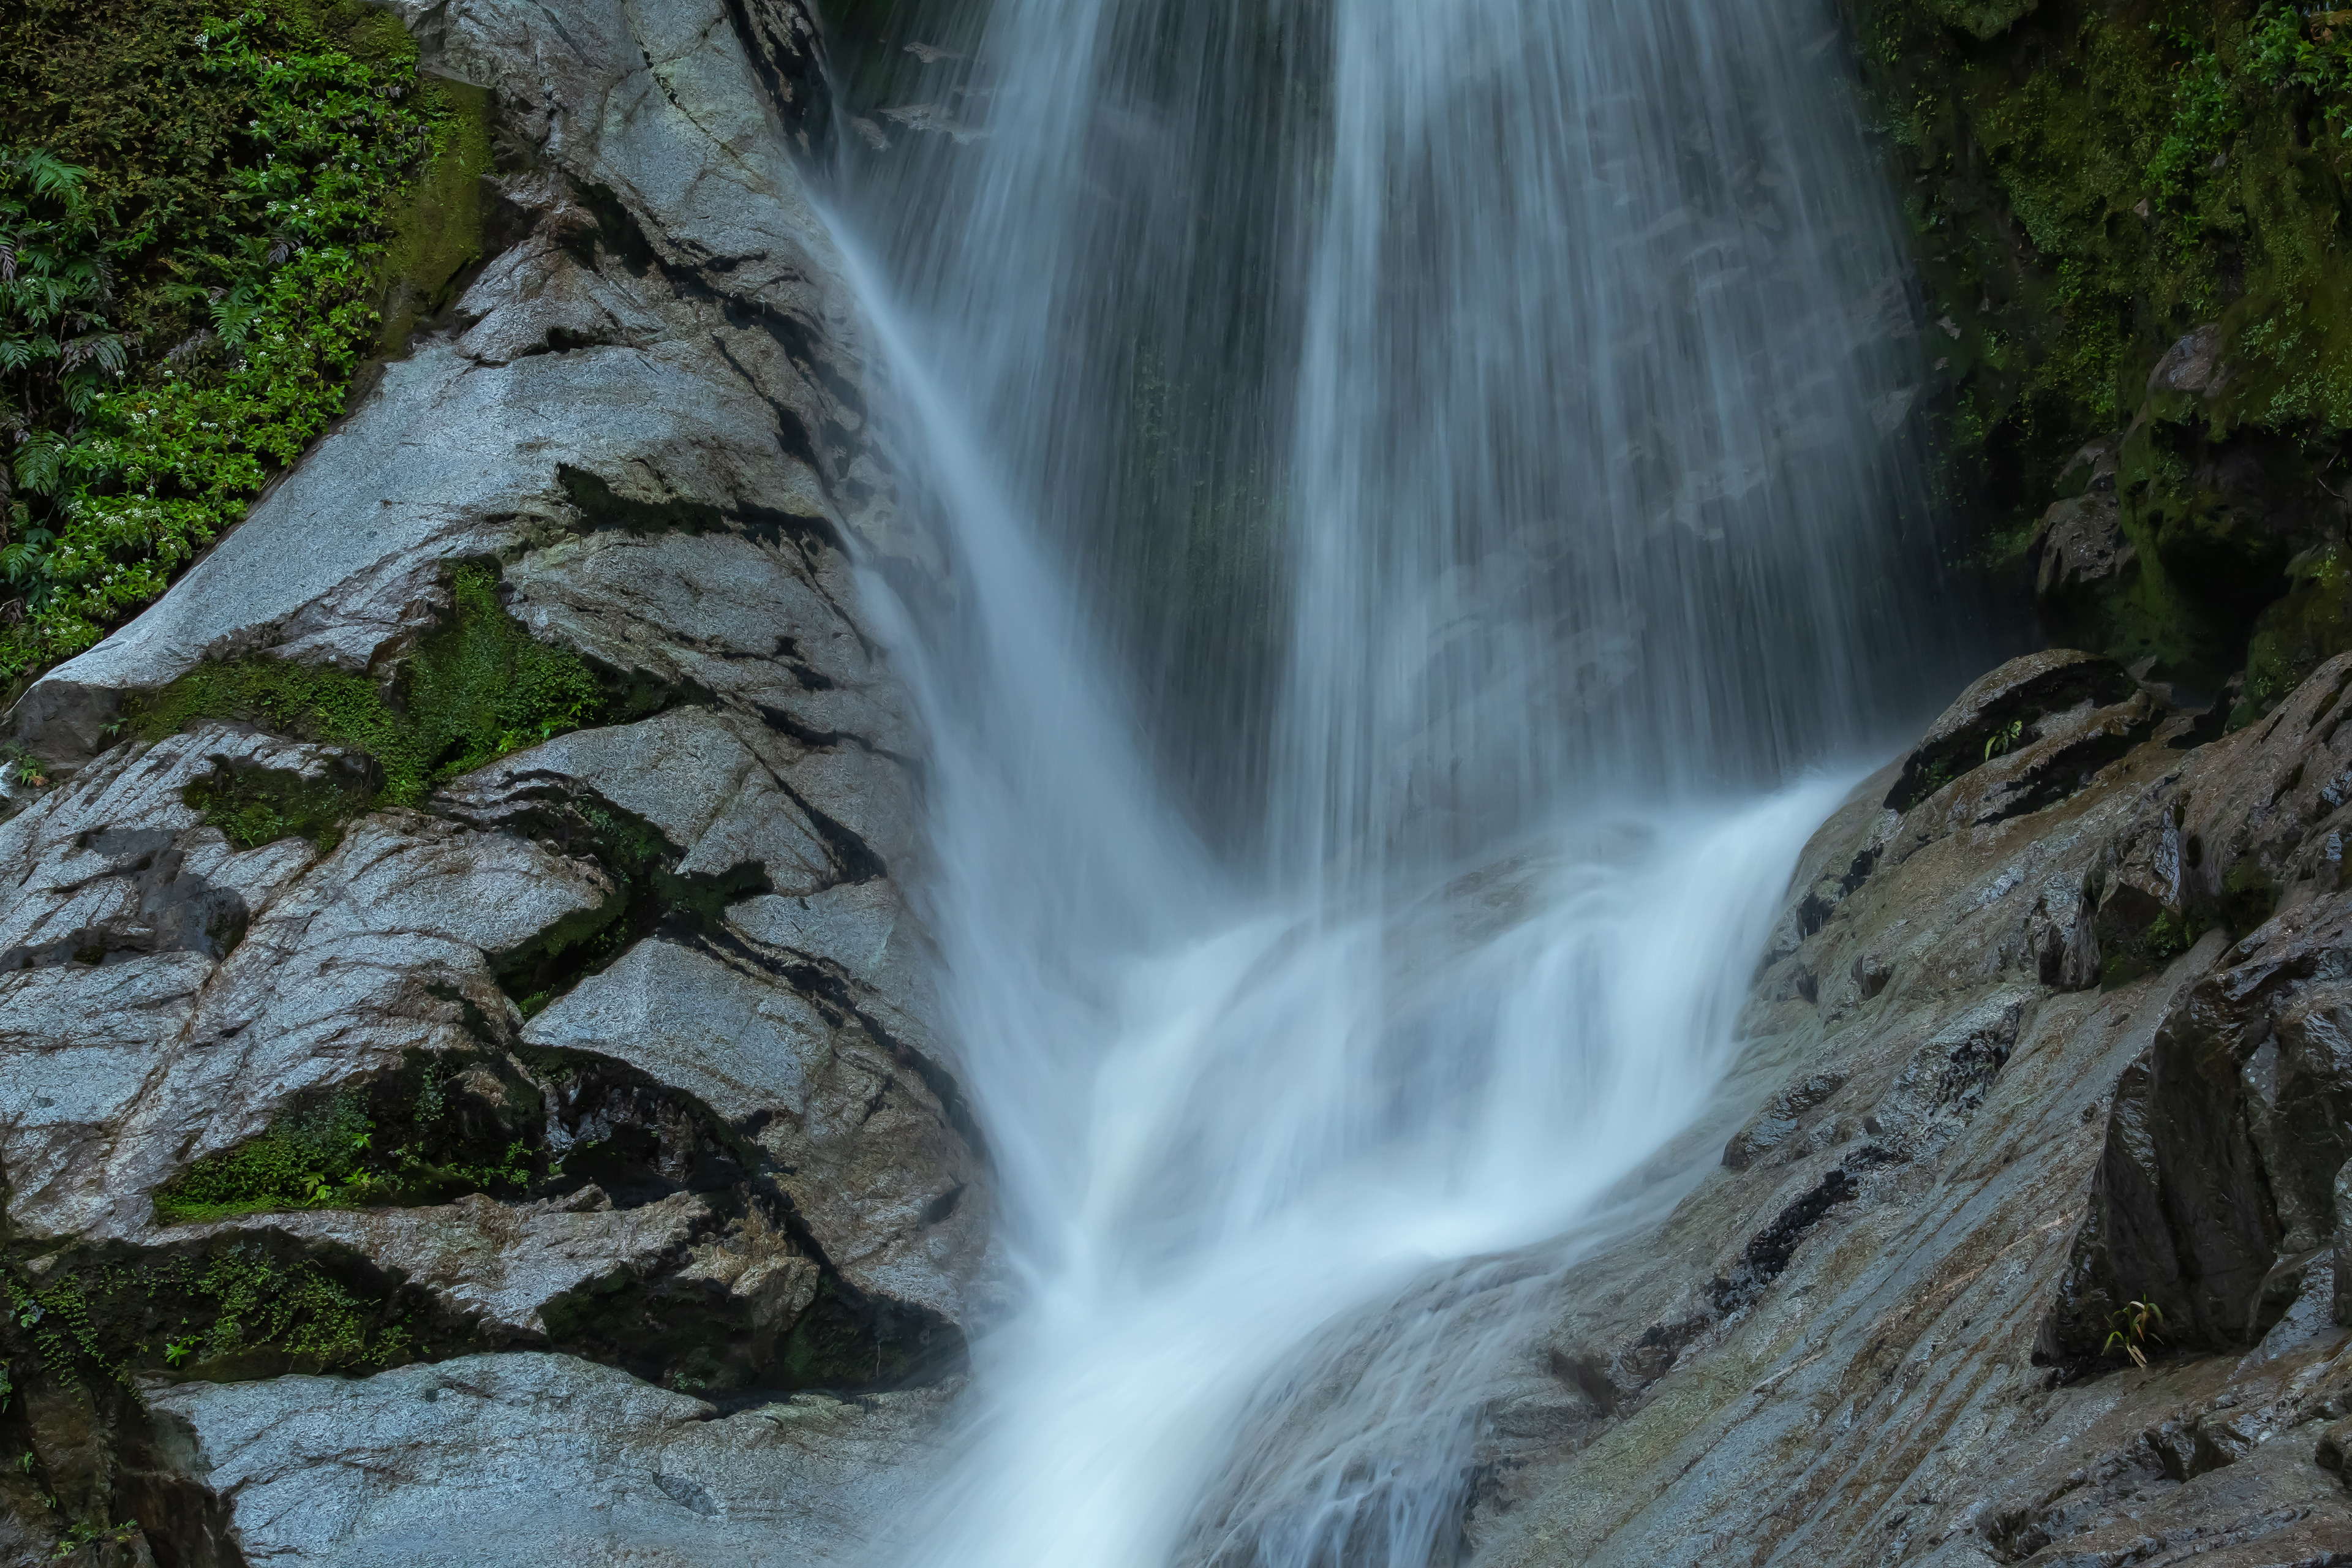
(498, 1459)
(2035, 1057)
(591, 1083)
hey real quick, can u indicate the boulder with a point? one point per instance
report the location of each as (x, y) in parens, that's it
(490, 1461)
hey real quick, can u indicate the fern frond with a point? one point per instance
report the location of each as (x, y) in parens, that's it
(40, 462)
(107, 349)
(50, 175)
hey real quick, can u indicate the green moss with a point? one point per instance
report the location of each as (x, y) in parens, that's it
(404, 1138)
(477, 687)
(437, 223)
(2249, 897)
(253, 806)
(2310, 625)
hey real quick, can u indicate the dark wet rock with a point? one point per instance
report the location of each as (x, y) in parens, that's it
(1828, 1351)
(2223, 1145)
(2342, 1240)
(1984, 19)
(1781, 1118)
(872, 1157)
(2081, 546)
(2193, 363)
(2041, 717)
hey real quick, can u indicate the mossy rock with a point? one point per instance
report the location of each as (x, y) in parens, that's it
(2096, 191)
(2137, 935)
(2310, 625)
(1983, 18)
(476, 688)
(435, 1129)
(437, 226)
(253, 805)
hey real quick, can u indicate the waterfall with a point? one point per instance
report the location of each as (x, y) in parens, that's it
(1429, 525)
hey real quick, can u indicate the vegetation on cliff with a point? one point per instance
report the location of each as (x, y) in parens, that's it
(2131, 221)
(210, 217)
(476, 687)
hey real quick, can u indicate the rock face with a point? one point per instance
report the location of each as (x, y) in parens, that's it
(617, 1045)
(2059, 1036)
(498, 1459)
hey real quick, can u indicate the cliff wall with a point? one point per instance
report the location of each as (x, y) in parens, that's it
(456, 934)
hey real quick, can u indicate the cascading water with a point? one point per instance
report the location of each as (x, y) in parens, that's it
(1418, 476)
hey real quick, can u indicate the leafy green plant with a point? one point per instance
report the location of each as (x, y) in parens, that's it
(90, 1533)
(2132, 1329)
(237, 1299)
(328, 1155)
(173, 332)
(2003, 738)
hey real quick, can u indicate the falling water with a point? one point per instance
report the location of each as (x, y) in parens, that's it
(1427, 508)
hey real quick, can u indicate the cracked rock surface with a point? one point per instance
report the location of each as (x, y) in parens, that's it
(2023, 1056)
(669, 956)
(498, 1459)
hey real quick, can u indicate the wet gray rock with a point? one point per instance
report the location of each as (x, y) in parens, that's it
(873, 1158)
(2343, 1243)
(2081, 545)
(674, 944)
(122, 1063)
(2224, 1146)
(491, 1460)
(687, 774)
(1877, 1331)
(2193, 363)
(2030, 734)
(497, 1264)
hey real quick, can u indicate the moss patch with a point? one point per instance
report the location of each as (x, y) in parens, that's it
(254, 806)
(436, 1129)
(2309, 625)
(476, 688)
(437, 222)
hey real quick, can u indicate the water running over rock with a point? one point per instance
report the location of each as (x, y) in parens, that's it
(1419, 480)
